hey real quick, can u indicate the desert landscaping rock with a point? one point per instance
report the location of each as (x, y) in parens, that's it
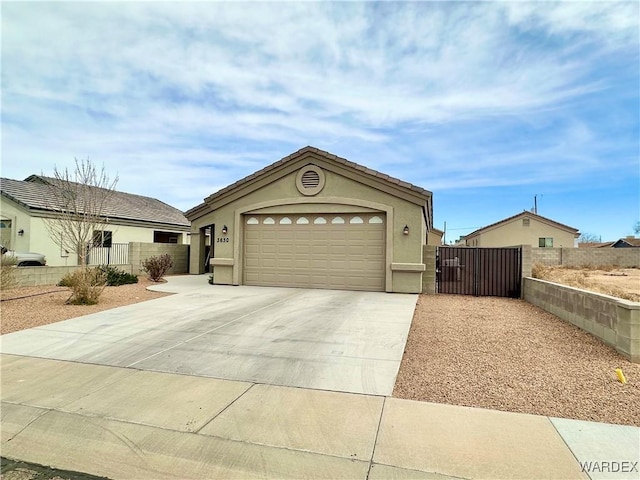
(506, 354)
(28, 307)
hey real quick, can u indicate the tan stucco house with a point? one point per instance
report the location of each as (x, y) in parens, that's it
(131, 218)
(434, 237)
(526, 228)
(315, 220)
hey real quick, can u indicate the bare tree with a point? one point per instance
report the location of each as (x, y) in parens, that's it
(79, 199)
(589, 238)
(636, 228)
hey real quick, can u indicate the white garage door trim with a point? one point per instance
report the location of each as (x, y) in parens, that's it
(332, 250)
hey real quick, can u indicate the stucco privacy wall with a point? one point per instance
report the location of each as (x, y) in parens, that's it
(578, 257)
(345, 190)
(613, 320)
(138, 252)
(36, 276)
(429, 275)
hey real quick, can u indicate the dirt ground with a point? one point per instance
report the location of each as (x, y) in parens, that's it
(46, 304)
(617, 282)
(506, 354)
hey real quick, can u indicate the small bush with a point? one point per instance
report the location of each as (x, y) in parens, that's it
(66, 280)
(158, 266)
(116, 277)
(86, 285)
(538, 270)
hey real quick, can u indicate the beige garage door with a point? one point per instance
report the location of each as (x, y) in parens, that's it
(342, 251)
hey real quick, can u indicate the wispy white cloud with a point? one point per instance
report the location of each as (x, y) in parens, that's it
(490, 93)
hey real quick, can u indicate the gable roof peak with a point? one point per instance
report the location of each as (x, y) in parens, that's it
(323, 154)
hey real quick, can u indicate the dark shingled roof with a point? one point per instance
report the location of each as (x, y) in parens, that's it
(321, 153)
(32, 193)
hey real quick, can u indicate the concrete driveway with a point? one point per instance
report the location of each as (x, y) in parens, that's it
(321, 339)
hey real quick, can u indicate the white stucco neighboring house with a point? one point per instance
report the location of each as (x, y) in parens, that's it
(131, 218)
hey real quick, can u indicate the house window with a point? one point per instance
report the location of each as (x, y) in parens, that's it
(165, 237)
(102, 238)
(545, 242)
(5, 232)
(525, 222)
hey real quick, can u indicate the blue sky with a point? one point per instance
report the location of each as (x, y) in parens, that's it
(486, 104)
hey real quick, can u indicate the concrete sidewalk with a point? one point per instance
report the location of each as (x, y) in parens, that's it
(125, 423)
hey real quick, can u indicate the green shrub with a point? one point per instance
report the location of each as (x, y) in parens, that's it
(158, 266)
(86, 285)
(116, 277)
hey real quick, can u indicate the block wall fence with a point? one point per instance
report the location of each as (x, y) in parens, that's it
(429, 275)
(578, 257)
(138, 252)
(613, 320)
(36, 276)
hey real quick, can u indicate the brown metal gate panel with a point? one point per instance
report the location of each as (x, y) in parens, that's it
(479, 271)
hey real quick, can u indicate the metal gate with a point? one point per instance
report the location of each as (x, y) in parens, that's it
(479, 271)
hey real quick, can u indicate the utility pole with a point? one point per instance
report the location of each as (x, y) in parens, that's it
(535, 204)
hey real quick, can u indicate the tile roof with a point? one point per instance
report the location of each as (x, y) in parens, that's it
(522, 214)
(33, 191)
(321, 153)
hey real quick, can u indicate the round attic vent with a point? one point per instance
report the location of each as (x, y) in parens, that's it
(310, 180)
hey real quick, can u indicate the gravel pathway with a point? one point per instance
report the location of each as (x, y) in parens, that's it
(506, 354)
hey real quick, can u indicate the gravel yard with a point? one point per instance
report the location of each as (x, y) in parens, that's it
(506, 354)
(46, 304)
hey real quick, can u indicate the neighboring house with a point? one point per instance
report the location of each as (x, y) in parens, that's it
(594, 244)
(525, 228)
(132, 218)
(626, 242)
(434, 237)
(315, 220)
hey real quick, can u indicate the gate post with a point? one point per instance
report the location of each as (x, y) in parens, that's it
(429, 275)
(527, 260)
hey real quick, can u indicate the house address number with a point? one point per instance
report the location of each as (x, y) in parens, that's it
(223, 240)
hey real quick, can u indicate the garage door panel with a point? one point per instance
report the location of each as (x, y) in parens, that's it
(322, 253)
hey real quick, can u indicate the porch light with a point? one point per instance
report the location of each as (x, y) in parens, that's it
(21, 232)
(405, 230)
(224, 230)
